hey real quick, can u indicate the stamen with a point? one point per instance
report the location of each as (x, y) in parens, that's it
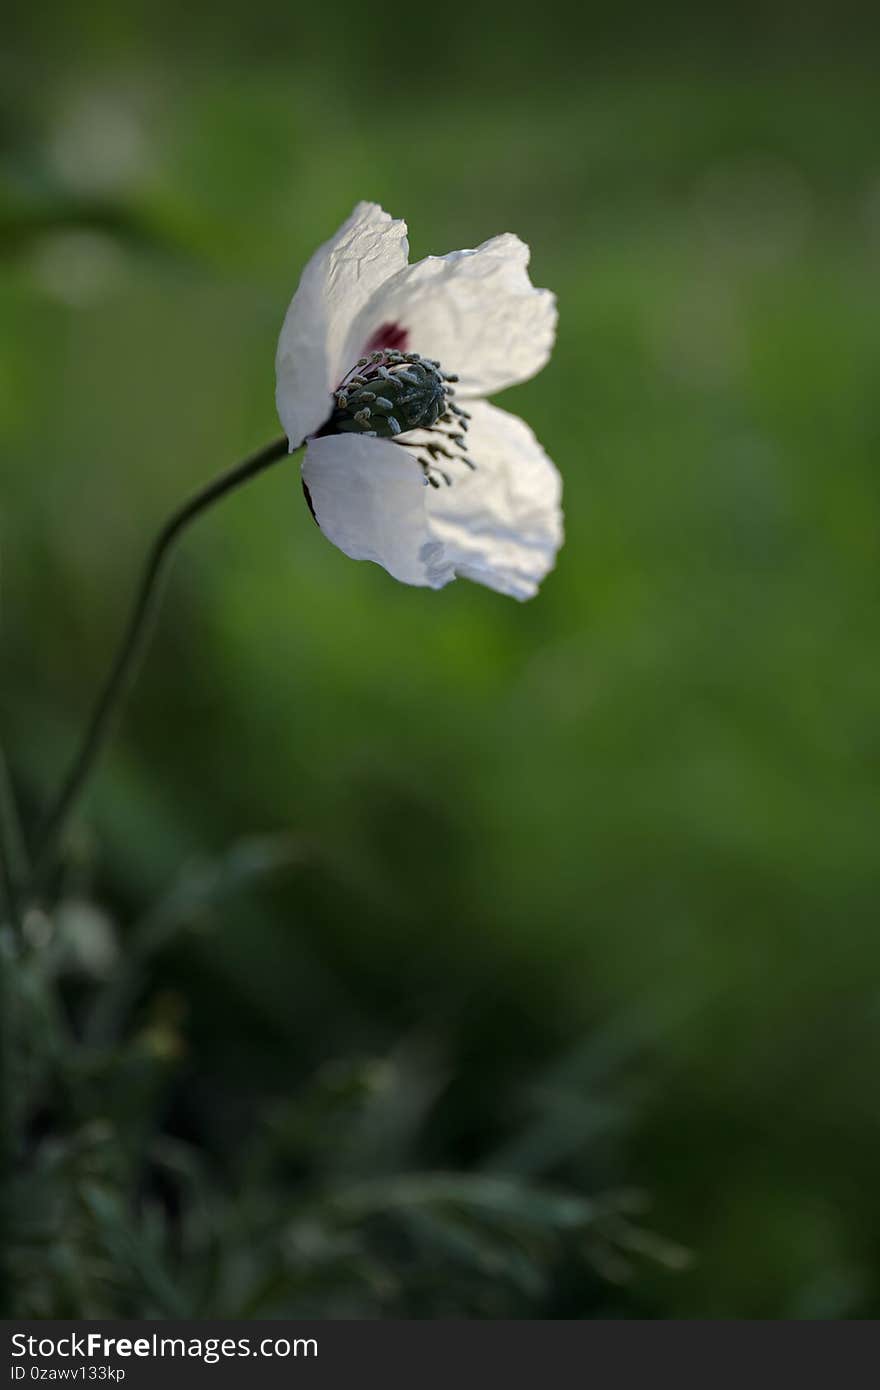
(394, 395)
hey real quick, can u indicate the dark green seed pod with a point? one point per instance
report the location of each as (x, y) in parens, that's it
(389, 400)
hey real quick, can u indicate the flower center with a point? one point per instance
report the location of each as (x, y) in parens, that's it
(391, 393)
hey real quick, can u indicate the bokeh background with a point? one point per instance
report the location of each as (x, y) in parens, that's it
(428, 954)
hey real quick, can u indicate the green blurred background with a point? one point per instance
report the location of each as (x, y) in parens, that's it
(580, 895)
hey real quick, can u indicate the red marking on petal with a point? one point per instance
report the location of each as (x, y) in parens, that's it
(388, 335)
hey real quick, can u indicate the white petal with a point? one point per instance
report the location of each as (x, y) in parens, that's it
(338, 281)
(477, 312)
(500, 525)
(368, 497)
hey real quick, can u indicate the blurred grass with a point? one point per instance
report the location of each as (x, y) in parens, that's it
(643, 806)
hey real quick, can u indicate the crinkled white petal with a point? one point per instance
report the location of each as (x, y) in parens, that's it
(477, 312)
(338, 281)
(368, 496)
(500, 525)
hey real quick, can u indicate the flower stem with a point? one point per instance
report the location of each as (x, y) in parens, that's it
(124, 669)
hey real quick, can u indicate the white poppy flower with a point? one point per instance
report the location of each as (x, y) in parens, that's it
(402, 466)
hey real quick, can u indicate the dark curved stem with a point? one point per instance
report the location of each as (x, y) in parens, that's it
(134, 641)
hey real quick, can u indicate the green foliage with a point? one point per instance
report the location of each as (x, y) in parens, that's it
(314, 1214)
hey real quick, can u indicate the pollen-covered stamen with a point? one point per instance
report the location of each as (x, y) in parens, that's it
(389, 394)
